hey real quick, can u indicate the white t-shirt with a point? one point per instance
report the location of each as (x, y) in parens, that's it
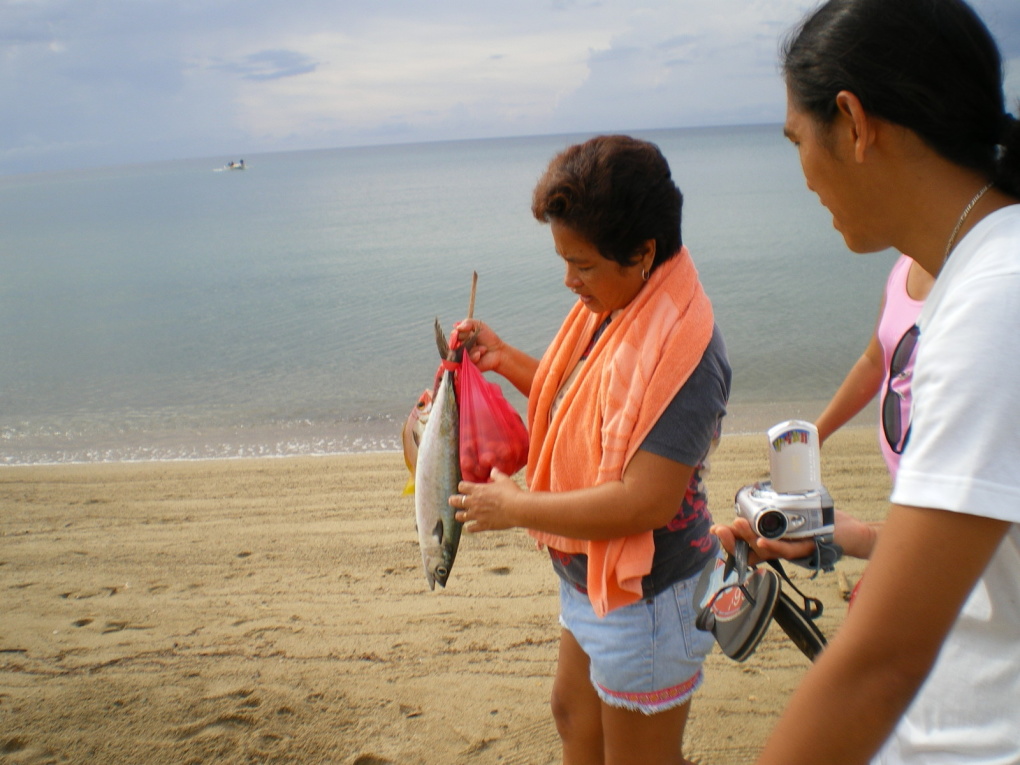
(964, 456)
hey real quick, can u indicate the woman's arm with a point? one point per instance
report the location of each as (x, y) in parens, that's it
(861, 384)
(923, 569)
(646, 498)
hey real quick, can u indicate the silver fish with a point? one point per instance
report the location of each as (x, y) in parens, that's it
(437, 474)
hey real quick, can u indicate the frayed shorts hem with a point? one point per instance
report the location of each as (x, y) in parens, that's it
(651, 703)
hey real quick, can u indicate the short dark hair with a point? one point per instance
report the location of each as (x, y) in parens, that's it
(615, 191)
(930, 66)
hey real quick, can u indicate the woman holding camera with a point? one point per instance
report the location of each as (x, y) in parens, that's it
(623, 408)
(897, 112)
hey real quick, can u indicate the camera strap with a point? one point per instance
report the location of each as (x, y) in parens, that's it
(824, 558)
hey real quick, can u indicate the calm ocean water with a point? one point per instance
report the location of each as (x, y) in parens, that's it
(176, 310)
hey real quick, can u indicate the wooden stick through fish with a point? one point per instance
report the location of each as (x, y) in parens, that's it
(474, 288)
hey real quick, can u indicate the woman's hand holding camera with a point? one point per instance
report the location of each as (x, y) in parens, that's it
(856, 538)
(761, 548)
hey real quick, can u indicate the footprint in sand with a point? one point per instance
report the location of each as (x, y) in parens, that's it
(12, 745)
(108, 591)
(216, 726)
(120, 626)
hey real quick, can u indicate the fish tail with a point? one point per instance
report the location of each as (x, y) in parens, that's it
(453, 354)
(444, 347)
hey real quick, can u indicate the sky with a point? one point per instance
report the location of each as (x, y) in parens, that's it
(87, 83)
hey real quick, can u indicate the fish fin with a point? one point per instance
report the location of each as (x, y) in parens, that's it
(437, 532)
(409, 489)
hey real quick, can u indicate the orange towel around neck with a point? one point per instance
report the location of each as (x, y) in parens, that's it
(632, 373)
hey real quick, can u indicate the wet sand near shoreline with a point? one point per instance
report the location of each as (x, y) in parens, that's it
(275, 610)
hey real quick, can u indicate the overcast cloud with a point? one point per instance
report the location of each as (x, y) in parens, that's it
(97, 82)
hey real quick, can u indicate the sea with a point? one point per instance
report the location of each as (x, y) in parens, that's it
(182, 310)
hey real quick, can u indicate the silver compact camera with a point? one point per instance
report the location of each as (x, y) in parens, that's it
(795, 515)
(794, 504)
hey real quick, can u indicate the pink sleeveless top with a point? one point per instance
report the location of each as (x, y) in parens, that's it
(898, 316)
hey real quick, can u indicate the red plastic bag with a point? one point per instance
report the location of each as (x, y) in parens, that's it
(492, 434)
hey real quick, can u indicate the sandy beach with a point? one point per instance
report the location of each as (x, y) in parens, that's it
(275, 610)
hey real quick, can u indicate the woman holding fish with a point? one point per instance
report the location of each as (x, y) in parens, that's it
(623, 409)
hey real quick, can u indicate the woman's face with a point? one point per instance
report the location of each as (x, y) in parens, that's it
(600, 284)
(827, 159)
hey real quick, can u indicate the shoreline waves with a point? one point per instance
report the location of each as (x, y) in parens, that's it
(295, 439)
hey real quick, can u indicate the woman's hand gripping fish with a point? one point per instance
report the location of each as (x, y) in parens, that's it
(437, 472)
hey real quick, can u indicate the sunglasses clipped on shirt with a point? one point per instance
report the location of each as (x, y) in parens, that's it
(892, 403)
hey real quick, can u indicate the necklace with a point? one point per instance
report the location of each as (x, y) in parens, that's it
(963, 217)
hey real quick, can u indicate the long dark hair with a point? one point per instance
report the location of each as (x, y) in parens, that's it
(931, 66)
(617, 192)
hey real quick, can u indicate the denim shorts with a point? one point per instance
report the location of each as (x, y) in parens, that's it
(647, 656)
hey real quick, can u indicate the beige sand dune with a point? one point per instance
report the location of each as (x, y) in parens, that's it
(275, 611)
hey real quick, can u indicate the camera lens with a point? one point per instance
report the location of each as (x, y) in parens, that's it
(771, 524)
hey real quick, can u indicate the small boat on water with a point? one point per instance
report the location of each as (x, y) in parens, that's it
(239, 165)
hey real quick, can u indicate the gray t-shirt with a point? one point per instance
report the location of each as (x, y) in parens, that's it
(684, 433)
